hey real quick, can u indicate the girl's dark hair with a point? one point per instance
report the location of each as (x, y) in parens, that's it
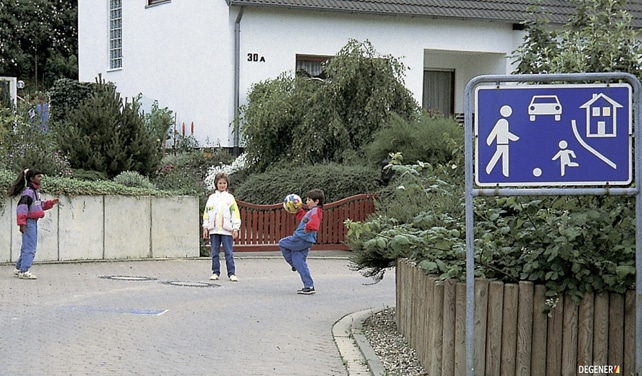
(317, 194)
(22, 180)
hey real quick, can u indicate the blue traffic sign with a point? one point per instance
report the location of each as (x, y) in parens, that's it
(553, 135)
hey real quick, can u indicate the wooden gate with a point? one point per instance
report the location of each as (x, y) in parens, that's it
(262, 226)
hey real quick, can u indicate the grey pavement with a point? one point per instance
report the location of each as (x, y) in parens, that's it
(164, 317)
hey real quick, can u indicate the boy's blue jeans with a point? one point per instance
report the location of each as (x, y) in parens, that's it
(29, 243)
(295, 251)
(226, 240)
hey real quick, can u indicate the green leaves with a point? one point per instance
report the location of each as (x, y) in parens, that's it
(106, 134)
(570, 244)
(303, 120)
(598, 38)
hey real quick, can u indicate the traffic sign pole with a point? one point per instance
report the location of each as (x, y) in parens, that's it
(600, 171)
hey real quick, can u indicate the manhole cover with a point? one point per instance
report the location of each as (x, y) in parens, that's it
(190, 284)
(127, 278)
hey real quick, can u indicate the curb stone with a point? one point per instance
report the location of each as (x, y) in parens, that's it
(358, 356)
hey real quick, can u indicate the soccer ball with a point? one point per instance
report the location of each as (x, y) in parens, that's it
(292, 203)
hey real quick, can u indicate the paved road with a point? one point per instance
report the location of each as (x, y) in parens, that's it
(174, 321)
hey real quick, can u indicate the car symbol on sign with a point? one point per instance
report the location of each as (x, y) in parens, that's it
(544, 105)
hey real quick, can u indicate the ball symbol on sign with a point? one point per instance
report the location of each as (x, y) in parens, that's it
(537, 172)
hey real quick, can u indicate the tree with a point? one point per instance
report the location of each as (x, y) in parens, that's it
(39, 41)
(598, 38)
(108, 134)
(311, 120)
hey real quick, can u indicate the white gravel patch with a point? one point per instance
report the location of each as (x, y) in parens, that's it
(397, 357)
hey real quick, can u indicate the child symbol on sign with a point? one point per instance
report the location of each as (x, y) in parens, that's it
(565, 155)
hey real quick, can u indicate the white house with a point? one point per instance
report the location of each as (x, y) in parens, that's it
(200, 58)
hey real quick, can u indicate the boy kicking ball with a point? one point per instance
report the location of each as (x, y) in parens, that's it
(295, 248)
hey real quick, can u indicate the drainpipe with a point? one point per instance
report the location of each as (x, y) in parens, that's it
(237, 62)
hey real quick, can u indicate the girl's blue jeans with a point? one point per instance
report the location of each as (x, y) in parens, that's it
(216, 240)
(28, 248)
(295, 251)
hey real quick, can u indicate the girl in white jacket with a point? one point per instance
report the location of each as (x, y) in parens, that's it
(221, 223)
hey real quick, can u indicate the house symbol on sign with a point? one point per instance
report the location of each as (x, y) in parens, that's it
(601, 116)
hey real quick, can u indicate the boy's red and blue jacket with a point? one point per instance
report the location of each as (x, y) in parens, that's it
(30, 206)
(309, 224)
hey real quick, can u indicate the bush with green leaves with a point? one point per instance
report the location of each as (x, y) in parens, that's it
(58, 186)
(570, 244)
(599, 37)
(65, 96)
(423, 204)
(26, 143)
(428, 138)
(337, 182)
(133, 179)
(302, 120)
(187, 171)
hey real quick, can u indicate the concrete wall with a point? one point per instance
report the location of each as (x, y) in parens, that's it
(108, 227)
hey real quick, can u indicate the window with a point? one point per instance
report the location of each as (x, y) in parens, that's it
(156, 2)
(311, 65)
(115, 34)
(439, 92)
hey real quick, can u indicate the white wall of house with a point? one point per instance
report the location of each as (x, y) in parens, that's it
(179, 53)
(182, 53)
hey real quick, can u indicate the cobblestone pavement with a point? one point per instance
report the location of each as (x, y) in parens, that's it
(166, 318)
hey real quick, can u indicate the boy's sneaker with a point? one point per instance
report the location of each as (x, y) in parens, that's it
(306, 291)
(233, 278)
(27, 275)
(16, 272)
(214, 277)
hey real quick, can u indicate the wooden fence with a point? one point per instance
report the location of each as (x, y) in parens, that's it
(262, 226)
(512, 337)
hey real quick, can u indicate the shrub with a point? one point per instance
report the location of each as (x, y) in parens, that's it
(336, 180)
(430, 139)
(65, 96)
(81, 174)
(26, 143)
(420, 213)
(306, 120)
(570, 244)
(110, 135)
(183, 172)
(133, 179)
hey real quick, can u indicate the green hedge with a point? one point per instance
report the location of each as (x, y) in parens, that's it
(337, 182)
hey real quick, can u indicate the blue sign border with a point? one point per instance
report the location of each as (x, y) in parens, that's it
(605, 161)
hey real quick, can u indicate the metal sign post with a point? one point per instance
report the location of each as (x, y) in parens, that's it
(549, 140)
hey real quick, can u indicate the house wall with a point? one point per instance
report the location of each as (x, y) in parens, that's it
(182, 53)
(179, 53)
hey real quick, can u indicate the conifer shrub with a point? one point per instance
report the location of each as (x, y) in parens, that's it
(108, 134)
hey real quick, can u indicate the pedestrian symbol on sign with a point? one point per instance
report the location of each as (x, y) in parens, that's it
(501, 136)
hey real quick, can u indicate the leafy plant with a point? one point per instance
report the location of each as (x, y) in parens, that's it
(598, 38)
(337, 181)
(428, 138)
(133, 179)
(302, 120)
(26, 142)
(572, 245)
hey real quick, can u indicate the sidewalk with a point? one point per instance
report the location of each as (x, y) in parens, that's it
(166, 318)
